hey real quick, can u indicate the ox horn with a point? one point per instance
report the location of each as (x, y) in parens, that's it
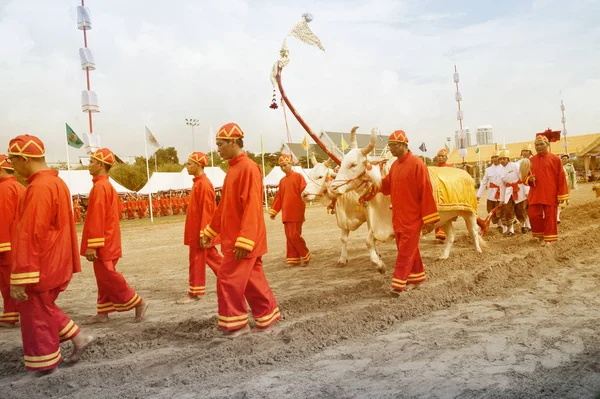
(353, 142)
(313, 159)
(328, 162)
(372, 143)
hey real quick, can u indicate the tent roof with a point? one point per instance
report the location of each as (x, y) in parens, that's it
(577, 145)
(275, 175)
(165, 181)
(80, 182)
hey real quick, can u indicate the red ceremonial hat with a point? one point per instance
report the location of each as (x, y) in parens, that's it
(230, 131)
(26, 146)
(199, 157)
(104, 155)
(285, 158)
(443, 151)
(4, 163)
(398, 137)
(541, 137)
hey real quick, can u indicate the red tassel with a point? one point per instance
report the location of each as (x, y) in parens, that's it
(274, 101)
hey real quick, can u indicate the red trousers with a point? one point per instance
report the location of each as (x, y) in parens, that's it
(296, 252)
(244, 280)
(114, 294)
(543, 221)
(199, 258)
(409, 266)
(43, 327)
(10, 313)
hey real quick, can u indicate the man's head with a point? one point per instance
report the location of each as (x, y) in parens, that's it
(196, 163)
(504, 157)
(285, 163)
(442, 156)
(26, 154)
(526, 151)
(6, 169)
(564, 158)
(398, 143)
(230, 141)
(541, 144)
(494, 158)
(101, 161)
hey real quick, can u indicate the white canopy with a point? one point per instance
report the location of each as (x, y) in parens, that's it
(275, 175)
(80, 182)
(165, 181)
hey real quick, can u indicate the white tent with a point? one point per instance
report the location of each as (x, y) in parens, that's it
(165, 181)
(80, 182)
(275, 175)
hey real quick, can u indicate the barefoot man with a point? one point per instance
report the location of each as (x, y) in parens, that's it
(413, 209)
(200, 211)
(289, 201)
(240, 222)
(11, 192)
(101, 244)
(548, 189)
(46, 258)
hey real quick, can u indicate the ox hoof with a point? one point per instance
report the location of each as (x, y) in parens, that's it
(341, 263)
(443, 257)
(381, 269)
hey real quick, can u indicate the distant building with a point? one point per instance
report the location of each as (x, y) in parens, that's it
(484, 135)
(467, 138)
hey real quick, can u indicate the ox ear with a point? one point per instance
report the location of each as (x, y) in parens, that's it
(327, 162)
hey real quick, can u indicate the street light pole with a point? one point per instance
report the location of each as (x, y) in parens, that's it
(192, 123)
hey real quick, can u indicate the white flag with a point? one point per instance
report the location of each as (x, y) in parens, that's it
(151, 139)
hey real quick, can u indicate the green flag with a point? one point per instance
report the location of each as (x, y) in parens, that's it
(72, 138)
(477, 149)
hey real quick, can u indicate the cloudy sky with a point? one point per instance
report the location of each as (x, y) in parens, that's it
(388, 63)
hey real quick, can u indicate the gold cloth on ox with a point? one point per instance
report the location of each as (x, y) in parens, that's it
(453, 189)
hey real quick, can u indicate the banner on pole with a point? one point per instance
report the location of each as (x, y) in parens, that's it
(151, 139)
(72, 138)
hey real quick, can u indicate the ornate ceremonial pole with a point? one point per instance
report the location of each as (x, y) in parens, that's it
(564, 123)
(459, 115)
(87, 72)
(301, 31)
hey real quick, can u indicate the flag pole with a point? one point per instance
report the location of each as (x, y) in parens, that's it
(69, 172)
(262, 155)
(307, 161)
(148, 173)
(210, 142)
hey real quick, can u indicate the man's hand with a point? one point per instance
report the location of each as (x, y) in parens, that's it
(17, 292)
(90, 254)
(205, 242)
(240, 253)
(272, 217)
(427, 228)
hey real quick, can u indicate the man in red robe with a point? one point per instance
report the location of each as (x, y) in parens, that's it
(201, 209)
(46, 258)
(413, 209)
(11, 192)
(101, 244)
(240, 222)
(289, 201)
(442, 158)
(548, 188)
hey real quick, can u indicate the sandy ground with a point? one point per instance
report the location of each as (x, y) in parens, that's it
(518, 321)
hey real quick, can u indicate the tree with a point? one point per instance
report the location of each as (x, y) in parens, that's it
(165, 156)
(132, 177)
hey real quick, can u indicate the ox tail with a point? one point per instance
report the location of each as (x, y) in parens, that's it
(484, 224)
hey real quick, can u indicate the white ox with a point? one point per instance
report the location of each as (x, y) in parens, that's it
(349, 213)
(356, 174)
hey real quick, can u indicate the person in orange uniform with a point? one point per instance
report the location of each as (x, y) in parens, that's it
(442, 158)
(45, 260)
(289, 201)
(77, 210)
(143, 207)
(101, 244)
(202, 207)
(11, 192)
(122, 205)
(413, 209)
(240, 222)
(548, 188)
